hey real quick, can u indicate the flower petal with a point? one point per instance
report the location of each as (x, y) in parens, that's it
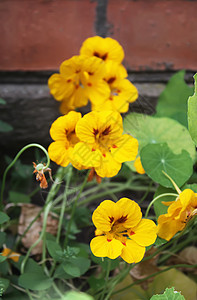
(132, 252)
(108, 166)
(104, 48)
(168, 227)
(60, 153)
(144, 233)
(131, 209)
(125, 148)
(59, 87)
(101, 247)
(86, 155)
(105, 214)
(64, 125)
(138, 166)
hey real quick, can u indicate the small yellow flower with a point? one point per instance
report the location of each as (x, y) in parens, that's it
(11, 254)
(179, 213)
(80, 79)
(138, 166)
(102, 145)
(122, 91)
(63, 133)
(104, 48)
(121, 231)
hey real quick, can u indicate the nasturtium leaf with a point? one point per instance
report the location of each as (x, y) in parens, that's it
(5, 127)
(158, 157)
(4, 284)
(169, 294)
(3, 217)
(151, 130)
(192, 113)
(16, 197)
(35, 281)
(172, 102)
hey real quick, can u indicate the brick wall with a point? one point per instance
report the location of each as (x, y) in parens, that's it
(159, 37)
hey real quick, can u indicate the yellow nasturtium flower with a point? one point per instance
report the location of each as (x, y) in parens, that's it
(10, 254)
(63, 133)
(105, 48)
(121, 231)
(122, 91)
(103, 146)
(179, 213)
(80, 79)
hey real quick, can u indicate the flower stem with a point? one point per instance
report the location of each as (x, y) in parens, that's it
(106, 280)
(13, 162)
(73, 210)
(155, 199)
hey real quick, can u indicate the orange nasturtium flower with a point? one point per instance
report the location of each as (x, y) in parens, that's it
(10, 254)
(80, 79)
(105, 48)
(179, 213)
(122, 91)
(63, 133)
(103, 146)
(121, 231)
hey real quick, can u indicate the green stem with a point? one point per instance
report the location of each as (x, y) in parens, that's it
(13, 162)
(155, 199)
(64, 202)
(106, 280)
(153, 275)
(73, 210)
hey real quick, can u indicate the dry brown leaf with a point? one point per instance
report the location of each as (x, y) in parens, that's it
(145, 268)
(186, 256)
(28, 213)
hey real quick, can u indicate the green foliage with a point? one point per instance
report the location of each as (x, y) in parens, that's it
(35, 281)
(172, 102)
(3, 218)
(192, 113)
(158, 157)
(151, 130)
(169, 294)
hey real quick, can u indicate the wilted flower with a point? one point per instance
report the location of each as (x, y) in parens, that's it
(179, 213)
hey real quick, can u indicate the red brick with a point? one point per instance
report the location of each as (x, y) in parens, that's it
(156, 35)
(39, 35)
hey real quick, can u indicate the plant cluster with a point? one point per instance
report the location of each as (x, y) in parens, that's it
(122, 162)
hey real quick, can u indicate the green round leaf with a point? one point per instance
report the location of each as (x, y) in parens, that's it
(151, 130)
(71, 269)
(35, 281)
(157, 158)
